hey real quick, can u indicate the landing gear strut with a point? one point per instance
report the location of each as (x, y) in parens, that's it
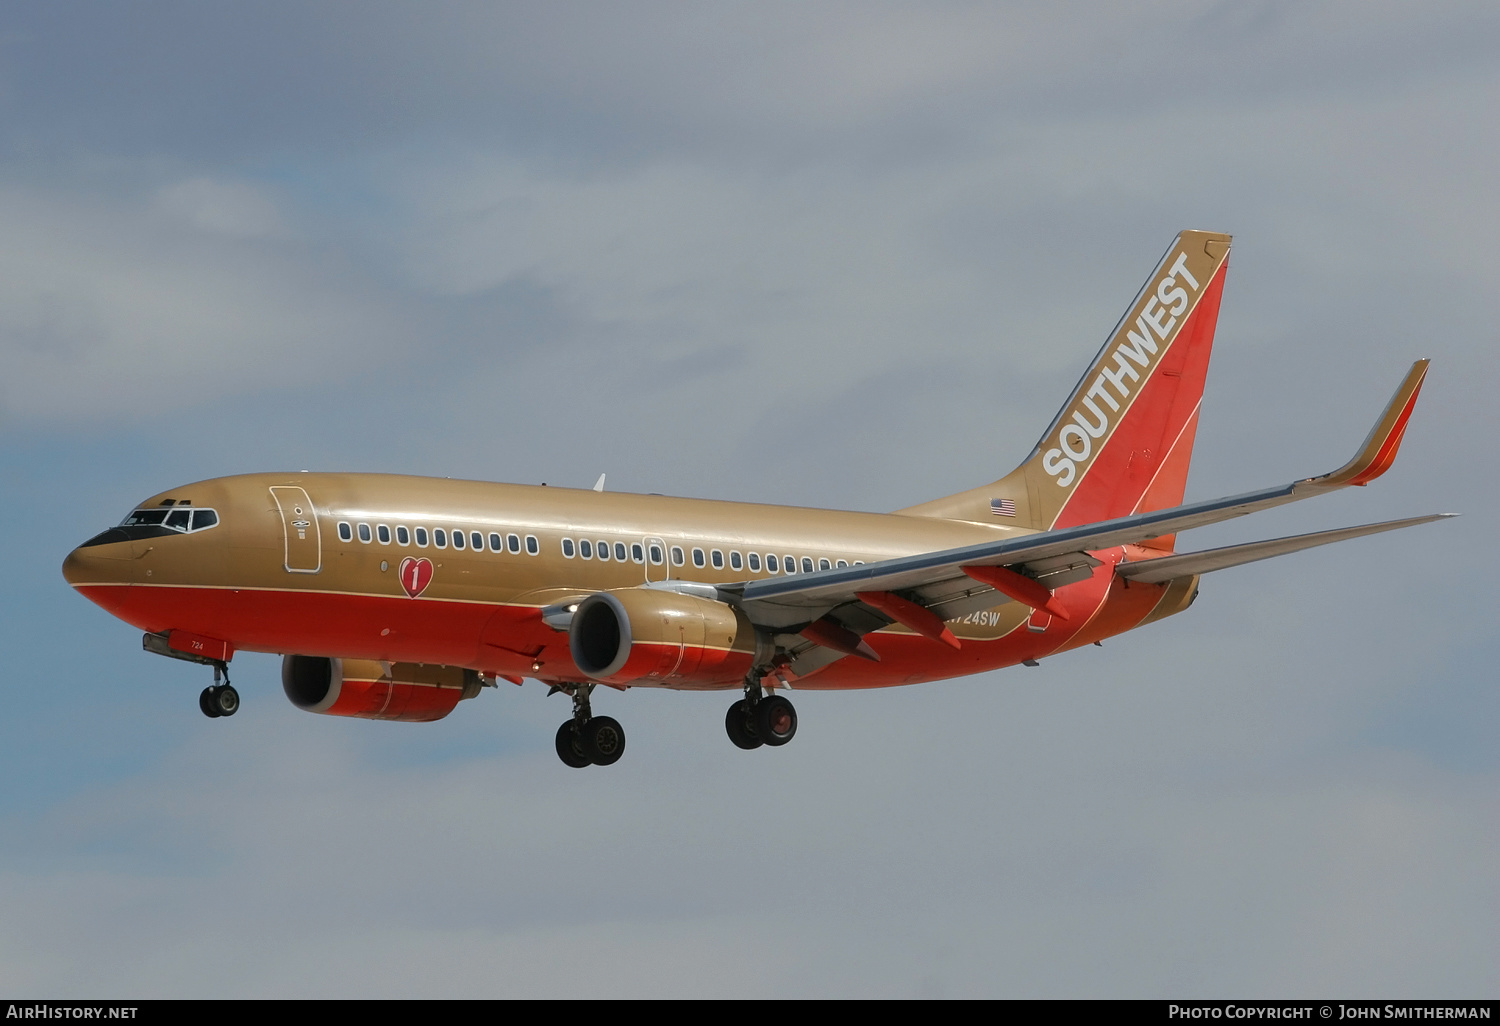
(760, 719)
(220, 699)
(586, 739)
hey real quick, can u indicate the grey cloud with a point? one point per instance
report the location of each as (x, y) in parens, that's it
(825, 255)
(111, 307)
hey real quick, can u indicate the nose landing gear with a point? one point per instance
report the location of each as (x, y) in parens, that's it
(220, 699)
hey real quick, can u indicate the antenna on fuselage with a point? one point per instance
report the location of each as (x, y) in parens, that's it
(599, 484)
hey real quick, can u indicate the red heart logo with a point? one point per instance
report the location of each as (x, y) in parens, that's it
(416, 575)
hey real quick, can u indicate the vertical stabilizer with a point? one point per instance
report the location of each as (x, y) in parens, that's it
(1122, 442)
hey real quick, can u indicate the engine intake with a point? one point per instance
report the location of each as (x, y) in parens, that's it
(642, 635)
(414, 692)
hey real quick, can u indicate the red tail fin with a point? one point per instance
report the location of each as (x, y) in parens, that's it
(1123, 441)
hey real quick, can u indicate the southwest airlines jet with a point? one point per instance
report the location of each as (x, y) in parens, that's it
(398, 597)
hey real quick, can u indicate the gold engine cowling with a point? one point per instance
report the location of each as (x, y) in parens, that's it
(414, 692)
(646, 636)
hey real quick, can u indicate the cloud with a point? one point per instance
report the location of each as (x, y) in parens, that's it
(841, 255)
(1013, 834)
(112, 308)
(235, 209)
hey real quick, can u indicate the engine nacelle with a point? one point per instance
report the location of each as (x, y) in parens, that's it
(414, 692)
(642, 635)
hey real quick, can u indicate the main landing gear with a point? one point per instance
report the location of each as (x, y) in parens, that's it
(760, 719)
(586, 739)
(221, 699)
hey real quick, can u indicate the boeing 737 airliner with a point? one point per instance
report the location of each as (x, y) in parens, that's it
(397, 597)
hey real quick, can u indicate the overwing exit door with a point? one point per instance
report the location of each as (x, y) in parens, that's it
(657, 567)
(299, 526)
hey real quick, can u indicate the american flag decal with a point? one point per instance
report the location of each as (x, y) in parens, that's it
(1003, 507)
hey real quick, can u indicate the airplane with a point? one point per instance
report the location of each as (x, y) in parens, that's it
(393, 597)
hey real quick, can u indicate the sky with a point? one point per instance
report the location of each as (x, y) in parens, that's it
(845, 255)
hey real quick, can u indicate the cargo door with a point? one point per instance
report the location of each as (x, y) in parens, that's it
(299, 526)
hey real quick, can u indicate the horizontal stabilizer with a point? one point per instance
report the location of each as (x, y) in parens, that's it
(1156, 571)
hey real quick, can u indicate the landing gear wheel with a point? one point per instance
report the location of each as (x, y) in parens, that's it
(570, 746)
(207, 702)
(739, 724)
(775, 720)
(604, 740)
(226, 702)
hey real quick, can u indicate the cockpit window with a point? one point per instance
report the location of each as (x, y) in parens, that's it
(181, 519)
(158, 522)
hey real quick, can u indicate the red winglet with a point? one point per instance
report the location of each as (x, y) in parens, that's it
(1379, 451)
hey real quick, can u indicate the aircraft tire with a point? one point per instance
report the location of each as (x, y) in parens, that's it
(775, 720)
(227, 701)
(740, 727)
(604, 740)
(207, 704)
(570, 746)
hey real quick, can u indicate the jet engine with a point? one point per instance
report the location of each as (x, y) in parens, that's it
(647, 636)
(414, 692)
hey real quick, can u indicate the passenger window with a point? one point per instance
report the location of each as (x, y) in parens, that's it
(603, 549)
(403, 536)
(496, 542)
(717, 559)
(532, 545)
(807, 564)
(458, 539)
(586, 549)
(772, 564)
(790, 562)
(677, 559)
(620, 553)
(513, 542)
(823, 564)
(364, 532)
(636, 555)
(734, 561)
(841, 563)
(567, 546)
(421, 537)
(698, 558)
(383, 534)
(203, 518)
(440, 537)
(476, 541)
(859, 562)
(656, 555)
(755, 562)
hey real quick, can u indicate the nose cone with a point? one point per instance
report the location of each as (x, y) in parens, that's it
(100, 560)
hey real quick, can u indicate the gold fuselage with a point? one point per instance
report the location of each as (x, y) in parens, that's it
(259, 583)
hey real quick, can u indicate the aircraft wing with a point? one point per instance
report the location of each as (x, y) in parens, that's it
(938, 584)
